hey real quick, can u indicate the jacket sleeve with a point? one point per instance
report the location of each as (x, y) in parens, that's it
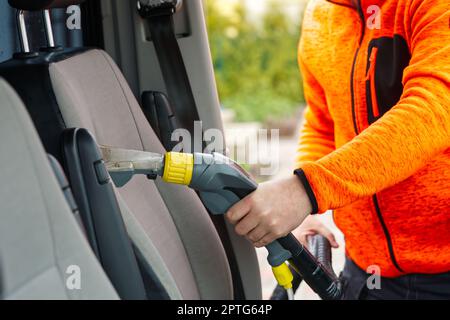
(317, 132)
(409, 135)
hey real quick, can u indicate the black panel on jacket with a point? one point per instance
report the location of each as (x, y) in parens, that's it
(393, 57)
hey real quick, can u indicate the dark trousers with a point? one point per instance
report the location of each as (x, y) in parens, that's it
(407, 287)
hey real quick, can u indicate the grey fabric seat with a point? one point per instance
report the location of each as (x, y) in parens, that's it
(167, 223)
(39, 237)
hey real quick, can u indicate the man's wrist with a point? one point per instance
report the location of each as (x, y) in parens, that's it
(309, 191)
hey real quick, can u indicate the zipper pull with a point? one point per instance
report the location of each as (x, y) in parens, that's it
(372, 60)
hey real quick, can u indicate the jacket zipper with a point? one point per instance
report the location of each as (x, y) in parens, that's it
(355, 58)
(371, 78)
(386, 233)
(355, 124)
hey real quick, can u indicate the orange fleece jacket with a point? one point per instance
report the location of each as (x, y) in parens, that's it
(375, 144)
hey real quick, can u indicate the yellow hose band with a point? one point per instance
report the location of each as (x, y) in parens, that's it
(178, 168)
(283, 275)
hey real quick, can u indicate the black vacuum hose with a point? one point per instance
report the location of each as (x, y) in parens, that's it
(320, 247)
(315, 271)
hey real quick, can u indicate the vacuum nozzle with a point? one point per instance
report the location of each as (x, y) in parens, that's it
(123, 164)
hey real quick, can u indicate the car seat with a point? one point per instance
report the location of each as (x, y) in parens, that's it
(41, 244)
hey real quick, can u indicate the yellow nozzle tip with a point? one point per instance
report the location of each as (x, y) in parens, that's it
(283, 275)
(178, 168)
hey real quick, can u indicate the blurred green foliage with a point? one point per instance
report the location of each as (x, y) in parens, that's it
(255, 61)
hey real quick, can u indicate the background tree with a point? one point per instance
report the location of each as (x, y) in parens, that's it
(255, 61)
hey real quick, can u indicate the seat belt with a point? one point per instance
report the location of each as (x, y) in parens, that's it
(159, 16)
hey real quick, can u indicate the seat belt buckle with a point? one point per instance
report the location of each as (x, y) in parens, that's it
(154, 8)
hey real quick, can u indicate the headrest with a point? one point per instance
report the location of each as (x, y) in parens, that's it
(37, 5)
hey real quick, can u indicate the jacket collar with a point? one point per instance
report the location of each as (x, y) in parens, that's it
(345, 3)
(356, 3)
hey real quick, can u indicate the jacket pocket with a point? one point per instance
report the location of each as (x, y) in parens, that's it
(387, 58)
(371, 90)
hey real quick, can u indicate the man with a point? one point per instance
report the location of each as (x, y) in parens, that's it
(375, 145)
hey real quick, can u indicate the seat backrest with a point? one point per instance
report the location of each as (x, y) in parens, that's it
(41, 245)
(92, 93)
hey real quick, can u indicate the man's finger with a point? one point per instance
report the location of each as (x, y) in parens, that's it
(330, 236)
(269, 238)
(303, 238)
(246, 224)
(256, 235)
(238, 211)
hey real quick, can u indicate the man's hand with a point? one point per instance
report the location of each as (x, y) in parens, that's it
(271, 212)
(311, 227)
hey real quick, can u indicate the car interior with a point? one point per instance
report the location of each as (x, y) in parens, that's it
(65, 89)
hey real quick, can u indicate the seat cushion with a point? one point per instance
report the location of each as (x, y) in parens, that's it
(92, 93)
(39, 237)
